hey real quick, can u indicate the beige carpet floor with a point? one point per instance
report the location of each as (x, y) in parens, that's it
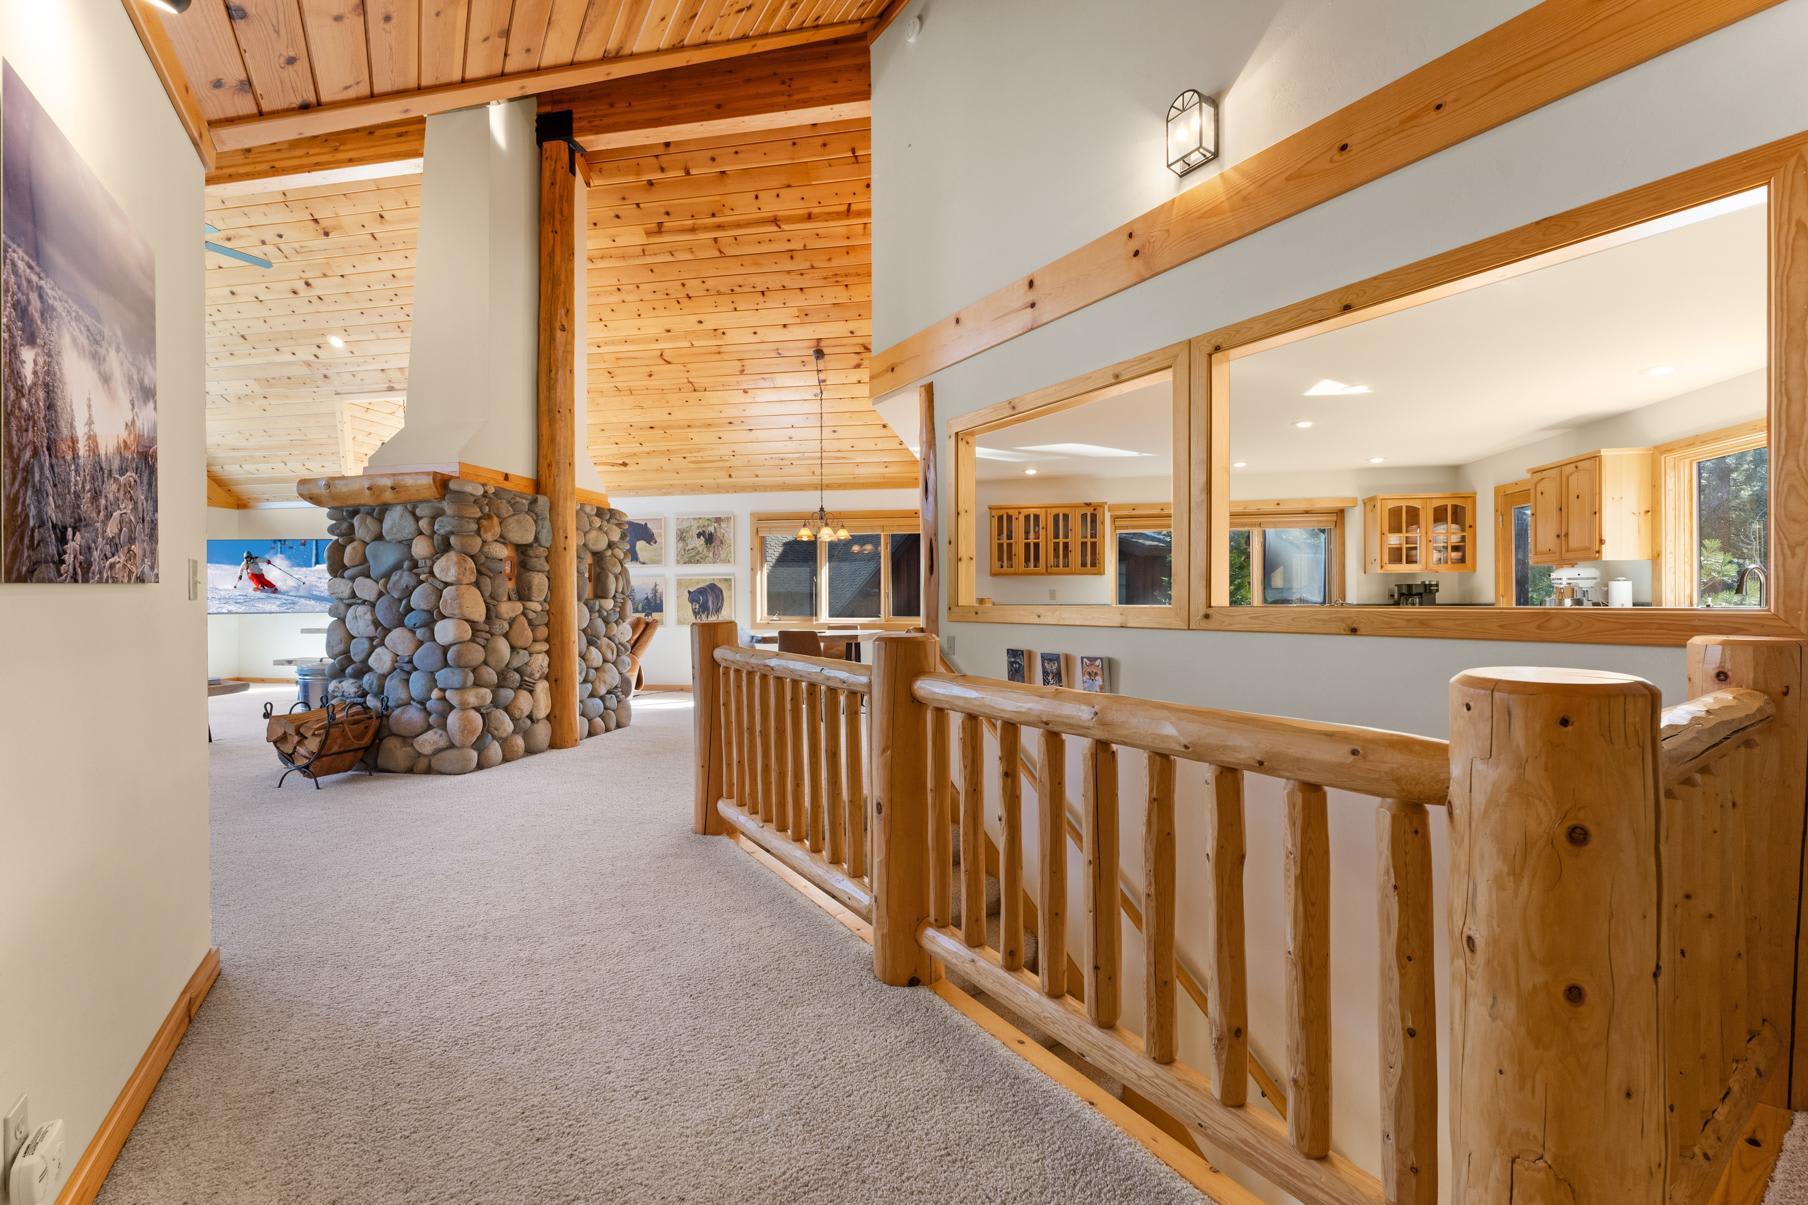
(534, 984)
(1789, 1180)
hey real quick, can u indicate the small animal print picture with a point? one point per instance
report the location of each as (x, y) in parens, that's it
(1092, 674)
(706, 540)
(1016, 665)
(646, 541)
(1054, 669)
(701, 599)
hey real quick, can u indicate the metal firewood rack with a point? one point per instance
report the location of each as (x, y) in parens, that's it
(347, 728)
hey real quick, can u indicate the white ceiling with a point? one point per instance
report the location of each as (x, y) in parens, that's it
(1140, 420)
(1520, 359)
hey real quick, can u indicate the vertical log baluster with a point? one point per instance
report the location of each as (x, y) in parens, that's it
(832, 833)
(809, 791)
(1227, 993)
(1308, 970)
(941, 823)
(1158, 912)
(1051, 796)
(769, 748)
(783, 772)
(1103, 937)
(745, 760)
(1409, 1020)
(731, 736)
(823, 817)
(854, 812)
(1010, 849)
(973, 833)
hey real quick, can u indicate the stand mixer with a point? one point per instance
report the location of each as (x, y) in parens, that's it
(1576, 586)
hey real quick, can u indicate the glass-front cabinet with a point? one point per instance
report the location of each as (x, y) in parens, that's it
(1422, 533)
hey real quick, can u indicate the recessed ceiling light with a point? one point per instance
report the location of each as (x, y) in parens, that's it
(1303, 423)
(1662, 370)
(1377, 460)
(177, 7)
(1239, 464)
(336, 341)
(1029, 472)
(1330, 388)
(1096, 451)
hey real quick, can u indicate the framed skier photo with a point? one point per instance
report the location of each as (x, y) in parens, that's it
(267, 577)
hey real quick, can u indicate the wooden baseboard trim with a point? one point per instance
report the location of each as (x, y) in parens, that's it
(1753, 1158)
(91, 1170)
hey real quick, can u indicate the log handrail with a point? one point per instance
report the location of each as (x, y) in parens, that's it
(1368, 761)
(1615, 868)
(850, 676)
(1705, 729)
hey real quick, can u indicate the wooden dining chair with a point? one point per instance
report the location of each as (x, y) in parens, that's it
(799, 640)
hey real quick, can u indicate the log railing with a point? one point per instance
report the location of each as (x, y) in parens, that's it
(1308, 758)
(1622, 904)
(781, 750)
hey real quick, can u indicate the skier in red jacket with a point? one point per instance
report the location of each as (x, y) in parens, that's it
(252, 570)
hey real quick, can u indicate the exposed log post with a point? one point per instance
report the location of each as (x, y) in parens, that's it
(556, 370)
(900, 734)
(1556, 1083)
(706, 720)
(1774, 828)
(928, 508)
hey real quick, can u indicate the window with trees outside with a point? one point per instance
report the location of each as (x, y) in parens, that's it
(1717, 518)
(1517, 581)
(1142, 555)
(873, 576)
(1281, 558)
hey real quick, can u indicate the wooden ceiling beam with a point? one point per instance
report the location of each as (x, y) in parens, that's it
(783, 88)
(162, 52)
(218, 494)
(297, 123)
(337, 151)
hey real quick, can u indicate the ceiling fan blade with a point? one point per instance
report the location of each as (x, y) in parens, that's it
(235, 253)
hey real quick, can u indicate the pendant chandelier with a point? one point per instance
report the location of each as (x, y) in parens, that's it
(820, 526)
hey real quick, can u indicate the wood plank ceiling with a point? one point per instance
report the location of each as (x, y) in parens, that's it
(283, 400)
(716, 265)
(252, 58)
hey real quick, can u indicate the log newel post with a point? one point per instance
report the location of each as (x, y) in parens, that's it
(900, 742)
(706, 718)
(1775, 816)
(556, 416)
(1557, 1082)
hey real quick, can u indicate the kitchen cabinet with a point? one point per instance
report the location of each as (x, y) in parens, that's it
(1420, 533)
(1600, 506)
(1048, 540)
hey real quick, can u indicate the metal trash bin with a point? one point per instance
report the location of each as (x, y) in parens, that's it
(311, 678)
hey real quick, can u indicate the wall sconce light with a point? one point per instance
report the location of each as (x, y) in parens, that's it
(1192, 132)
(174, 7)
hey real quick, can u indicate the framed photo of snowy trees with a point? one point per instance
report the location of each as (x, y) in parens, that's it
(78, 365)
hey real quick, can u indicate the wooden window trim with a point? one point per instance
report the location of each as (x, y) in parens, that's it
(1504, 506)
(1259, 516)
(1174, 362)
(1781, 167)
(1676, 463)
(885, 523)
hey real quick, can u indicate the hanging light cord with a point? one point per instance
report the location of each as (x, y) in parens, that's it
(822, 488)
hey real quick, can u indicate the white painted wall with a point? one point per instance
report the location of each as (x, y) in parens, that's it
(245, 646)
(104, 909)
(1038, 126)
(668, 660)
(471, 384)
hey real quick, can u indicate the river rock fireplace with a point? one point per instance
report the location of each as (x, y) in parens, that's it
(439, 621)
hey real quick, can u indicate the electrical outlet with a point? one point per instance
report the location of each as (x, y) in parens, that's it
(14, 1130)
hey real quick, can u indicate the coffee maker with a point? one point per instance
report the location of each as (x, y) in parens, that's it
(1416, 594)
